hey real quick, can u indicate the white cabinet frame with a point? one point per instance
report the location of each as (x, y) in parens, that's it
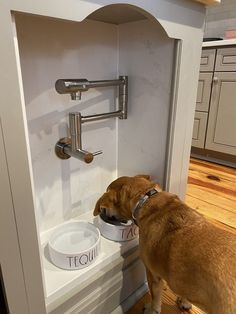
(182, 20)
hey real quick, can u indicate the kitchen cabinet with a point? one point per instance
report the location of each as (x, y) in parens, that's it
(204, 92)
(207, 60)
(199, 129)
(226, 59)
(215, 116)
(151, 43)
(221, 130)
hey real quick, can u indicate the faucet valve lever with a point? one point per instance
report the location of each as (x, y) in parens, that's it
(72, 146)
(97, 153)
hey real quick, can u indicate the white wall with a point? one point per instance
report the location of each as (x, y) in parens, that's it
(220, 18)
(52, 49)
(146, 53)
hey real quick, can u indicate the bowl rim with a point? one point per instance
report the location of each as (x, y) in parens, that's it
(74, 222)
(119, 225)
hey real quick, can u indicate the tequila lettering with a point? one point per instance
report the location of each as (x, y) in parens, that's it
(129, 233)
(83, 259)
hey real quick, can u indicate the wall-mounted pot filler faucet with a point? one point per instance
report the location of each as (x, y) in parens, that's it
(72, 146)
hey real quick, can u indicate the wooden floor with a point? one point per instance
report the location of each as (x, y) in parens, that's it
(212, 191)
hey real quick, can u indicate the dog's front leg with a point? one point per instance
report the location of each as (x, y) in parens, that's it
(155, 286)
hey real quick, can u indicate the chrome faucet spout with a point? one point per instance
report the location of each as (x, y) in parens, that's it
(75, 87)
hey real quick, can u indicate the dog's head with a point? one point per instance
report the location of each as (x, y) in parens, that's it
(122, 195)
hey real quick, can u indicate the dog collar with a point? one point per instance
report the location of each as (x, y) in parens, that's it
(141, 202)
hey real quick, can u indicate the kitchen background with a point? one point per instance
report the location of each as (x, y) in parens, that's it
(220, 18)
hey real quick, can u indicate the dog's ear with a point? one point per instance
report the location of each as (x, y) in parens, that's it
(97, 208)
(107, 200)
(145, 176)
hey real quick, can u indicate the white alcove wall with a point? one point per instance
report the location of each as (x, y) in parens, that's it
(50, 49)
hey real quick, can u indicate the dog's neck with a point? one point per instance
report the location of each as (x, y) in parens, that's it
(142, 200)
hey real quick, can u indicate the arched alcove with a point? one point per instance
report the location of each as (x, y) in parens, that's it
(114, 40)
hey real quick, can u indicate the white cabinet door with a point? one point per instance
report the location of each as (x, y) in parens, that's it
(221, 130)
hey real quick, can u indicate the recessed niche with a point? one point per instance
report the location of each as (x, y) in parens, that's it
(115, 40)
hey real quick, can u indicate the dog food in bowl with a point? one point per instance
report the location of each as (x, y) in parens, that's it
(74, 245)
(116, 230)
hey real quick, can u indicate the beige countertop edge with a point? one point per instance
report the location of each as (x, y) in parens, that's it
(208, 2)
(219, 43)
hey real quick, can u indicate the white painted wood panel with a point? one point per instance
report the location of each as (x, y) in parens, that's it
(12, 113)
(10, 260)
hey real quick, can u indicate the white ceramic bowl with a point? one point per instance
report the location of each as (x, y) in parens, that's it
(74, 245)
(117, 231)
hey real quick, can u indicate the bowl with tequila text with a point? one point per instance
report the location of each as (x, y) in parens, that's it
(116, 230)
(74, 245)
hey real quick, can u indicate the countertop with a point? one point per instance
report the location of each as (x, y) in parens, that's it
(208, 2)
(219, 43)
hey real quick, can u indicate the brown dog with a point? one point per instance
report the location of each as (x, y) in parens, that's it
(177, 244)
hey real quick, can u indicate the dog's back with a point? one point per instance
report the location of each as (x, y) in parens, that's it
(201, 257)
(210, 264)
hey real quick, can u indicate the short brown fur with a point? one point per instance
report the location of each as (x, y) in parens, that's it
(178, 245)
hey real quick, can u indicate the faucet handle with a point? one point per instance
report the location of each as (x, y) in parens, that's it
(97, 153)
(87, 156)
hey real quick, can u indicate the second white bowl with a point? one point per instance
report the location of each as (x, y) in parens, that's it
(117, 231)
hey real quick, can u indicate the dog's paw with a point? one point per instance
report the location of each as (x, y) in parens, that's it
(183, 304)
(149, 310)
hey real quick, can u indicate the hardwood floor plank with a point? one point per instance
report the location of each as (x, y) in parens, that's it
(212, 211)
(221, 187)
(212, 197)
(222, 225)
(207, 177)
(211, 166)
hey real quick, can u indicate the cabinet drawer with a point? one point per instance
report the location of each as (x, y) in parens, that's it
(199, 129)
(226, 59)
(204, 91)
(207, 60)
